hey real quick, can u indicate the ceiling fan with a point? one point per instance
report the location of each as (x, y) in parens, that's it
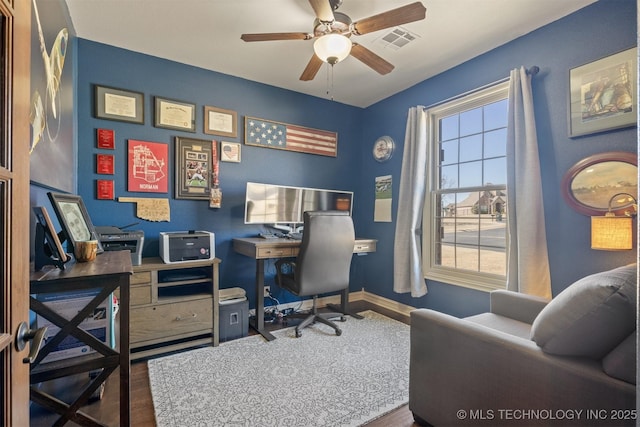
(333, 31)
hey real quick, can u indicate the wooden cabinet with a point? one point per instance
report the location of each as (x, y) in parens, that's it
(173, 306)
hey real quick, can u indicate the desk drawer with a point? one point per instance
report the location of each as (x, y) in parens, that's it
(140, 277)
(171, 320)
(140, 295)
(276, 252)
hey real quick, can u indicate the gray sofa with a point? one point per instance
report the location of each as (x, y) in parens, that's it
(570, 361)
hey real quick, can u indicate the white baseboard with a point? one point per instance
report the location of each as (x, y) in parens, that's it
(361, 295)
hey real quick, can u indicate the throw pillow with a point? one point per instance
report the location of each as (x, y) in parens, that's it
(621, 362)
(591, 316)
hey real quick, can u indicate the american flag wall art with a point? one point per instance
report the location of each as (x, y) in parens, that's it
(270, 134)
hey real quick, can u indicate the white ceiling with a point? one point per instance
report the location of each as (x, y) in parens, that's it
(206, 34)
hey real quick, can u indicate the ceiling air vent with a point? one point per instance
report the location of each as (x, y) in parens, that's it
(397, 38)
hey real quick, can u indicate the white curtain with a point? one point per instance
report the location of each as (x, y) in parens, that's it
(407, 256)
(528, 262)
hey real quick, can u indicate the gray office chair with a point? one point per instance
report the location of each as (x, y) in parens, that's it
(323, 264)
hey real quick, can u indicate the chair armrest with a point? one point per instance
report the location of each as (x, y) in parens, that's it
(459, 365)
(515, 305)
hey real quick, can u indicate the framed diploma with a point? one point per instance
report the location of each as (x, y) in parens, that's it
(118, 104)
(178, 115)
(218, 121)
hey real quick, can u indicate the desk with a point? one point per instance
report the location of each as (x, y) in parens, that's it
(261, 249)
(109, 271)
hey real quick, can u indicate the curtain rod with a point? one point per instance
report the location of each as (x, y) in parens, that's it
(532, 71)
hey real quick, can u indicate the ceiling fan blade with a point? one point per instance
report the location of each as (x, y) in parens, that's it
(323, 10)
(391, 18)
(312, 68)
(369, 58)
(263, 37)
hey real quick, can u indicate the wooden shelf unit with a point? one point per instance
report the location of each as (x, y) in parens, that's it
(110, 272)
(173, 306)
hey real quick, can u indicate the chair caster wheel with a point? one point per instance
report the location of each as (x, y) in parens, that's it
(338, 332)
(298, 333)
(343, 318)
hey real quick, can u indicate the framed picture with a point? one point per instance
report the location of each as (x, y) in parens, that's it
(51, 241)
(194, 160)
(602, 94)
(172, 114)
(218, 121)
(230, 152)
(148, 170)
(283, 136)
(74, 219)
(590, 184)
(118, 104)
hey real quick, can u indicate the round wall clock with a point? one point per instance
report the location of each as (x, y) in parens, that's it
(383, 148)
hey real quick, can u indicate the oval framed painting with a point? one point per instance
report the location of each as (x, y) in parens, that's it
(589, 185)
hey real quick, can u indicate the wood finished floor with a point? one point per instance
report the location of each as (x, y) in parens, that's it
(142, 415)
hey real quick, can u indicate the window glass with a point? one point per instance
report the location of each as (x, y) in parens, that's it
(471, 122)
(465, 213)
(449, 128)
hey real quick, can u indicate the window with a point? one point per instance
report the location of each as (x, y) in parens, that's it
(465, 223)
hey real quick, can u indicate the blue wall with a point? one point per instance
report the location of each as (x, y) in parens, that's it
(592, 33)
(105, 65)
(555, 48)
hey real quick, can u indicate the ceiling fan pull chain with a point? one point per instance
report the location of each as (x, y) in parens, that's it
(332, 82)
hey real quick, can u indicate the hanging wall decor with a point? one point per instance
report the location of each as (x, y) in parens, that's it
(589, 185)
(215, 199)
(230, 152)
(270, 134)
(602, 94)
(148, 166)
(193, 168)
(172, 114)
(218, 121)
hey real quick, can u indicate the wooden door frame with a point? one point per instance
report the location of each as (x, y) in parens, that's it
(16, 106)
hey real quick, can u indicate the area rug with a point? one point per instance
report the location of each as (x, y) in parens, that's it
(319, 379)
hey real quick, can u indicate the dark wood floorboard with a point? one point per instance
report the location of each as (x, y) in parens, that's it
(142, 415)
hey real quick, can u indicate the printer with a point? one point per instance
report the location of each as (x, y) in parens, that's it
(184, 246)
(116, 239)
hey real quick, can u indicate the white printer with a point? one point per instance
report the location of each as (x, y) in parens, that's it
(184, 246)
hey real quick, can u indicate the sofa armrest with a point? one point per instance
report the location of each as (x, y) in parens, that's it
(522, 307)
(459, 365)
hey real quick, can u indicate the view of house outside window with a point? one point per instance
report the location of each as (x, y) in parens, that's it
(465, 211)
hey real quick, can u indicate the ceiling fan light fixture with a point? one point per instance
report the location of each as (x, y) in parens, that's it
(332, 48)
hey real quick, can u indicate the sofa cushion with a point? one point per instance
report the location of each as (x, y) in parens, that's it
(591, 316)
(621, 361)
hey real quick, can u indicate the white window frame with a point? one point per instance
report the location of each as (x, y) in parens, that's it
(459, 277)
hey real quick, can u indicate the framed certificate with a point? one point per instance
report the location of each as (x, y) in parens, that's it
(178, 115)
(218, 121)
(118, 104)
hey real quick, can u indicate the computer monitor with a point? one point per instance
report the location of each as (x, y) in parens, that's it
(285, 205)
